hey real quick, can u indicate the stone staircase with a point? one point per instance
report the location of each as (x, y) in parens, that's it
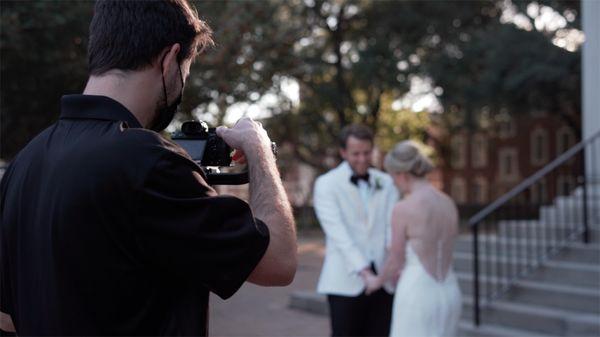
(559, 297)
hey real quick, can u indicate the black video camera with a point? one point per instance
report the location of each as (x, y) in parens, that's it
(209, 151)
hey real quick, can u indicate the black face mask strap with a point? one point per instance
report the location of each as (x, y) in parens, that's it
(180, 76)
(163, 79)
(162, 75)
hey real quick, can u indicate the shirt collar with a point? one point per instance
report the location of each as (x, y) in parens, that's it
(96, 107)
(345, 167)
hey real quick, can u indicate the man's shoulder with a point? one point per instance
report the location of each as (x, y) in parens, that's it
(146, 143)
(140, 137)
(329, 176)
(131, 153)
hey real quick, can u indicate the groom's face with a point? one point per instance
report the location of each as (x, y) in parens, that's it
(358, 154)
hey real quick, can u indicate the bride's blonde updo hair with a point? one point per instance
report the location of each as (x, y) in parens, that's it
(407, 157)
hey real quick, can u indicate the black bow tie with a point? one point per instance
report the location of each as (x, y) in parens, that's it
(355, 178)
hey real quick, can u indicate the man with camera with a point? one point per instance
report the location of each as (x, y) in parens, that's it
(110, 229)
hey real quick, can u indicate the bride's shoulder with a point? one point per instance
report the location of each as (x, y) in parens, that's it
(406, 207)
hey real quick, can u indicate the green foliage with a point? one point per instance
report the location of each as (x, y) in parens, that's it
(43, 50)
(350, 58)
(397, 125)
(252, 48)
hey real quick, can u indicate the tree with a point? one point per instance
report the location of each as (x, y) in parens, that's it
(349, 58)
(251, 50)
(43, 49)
(502, 68)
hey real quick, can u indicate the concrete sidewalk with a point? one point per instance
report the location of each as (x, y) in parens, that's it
(261, 311)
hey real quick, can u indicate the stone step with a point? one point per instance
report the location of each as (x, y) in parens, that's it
(557, 222)
(537, 319)
(568, 273)
(579, 252)
(577, 201)
(509, 316)
(593, 191)
(565, 296)
(540, 230)
(490, 244)
(468, 329)
(557, 272)
(569, 211)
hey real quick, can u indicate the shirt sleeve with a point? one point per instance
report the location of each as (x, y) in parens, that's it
(5, 285)
(186, 230)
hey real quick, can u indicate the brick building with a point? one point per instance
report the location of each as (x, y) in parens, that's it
(483, 165)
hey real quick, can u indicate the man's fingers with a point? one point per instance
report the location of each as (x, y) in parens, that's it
(239, 157)
(221, 130)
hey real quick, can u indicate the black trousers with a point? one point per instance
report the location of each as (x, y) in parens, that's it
(361, 315)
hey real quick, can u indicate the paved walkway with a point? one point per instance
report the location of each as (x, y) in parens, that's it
(261, 311)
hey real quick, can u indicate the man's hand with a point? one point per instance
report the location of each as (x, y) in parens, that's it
(247, 136)
(372, 282)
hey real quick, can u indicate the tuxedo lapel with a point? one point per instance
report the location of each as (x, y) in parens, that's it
(372, 203)
(350, 193)
(355, 204)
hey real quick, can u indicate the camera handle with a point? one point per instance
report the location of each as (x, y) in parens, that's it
(213, 177)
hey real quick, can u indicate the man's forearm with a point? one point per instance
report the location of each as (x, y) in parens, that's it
(267, 195)
(269, 203)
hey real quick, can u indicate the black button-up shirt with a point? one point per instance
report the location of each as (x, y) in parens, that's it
(109, 229)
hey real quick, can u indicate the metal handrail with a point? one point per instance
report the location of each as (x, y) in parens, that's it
(567, 155)
(478, 218)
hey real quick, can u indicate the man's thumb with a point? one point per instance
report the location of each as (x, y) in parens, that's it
(221, 131)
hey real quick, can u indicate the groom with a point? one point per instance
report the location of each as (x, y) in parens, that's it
(353, 203)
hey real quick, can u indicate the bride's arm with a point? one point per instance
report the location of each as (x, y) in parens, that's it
(395, 260)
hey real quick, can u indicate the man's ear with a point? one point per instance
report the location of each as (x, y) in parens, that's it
(342, 152)
(169, 58)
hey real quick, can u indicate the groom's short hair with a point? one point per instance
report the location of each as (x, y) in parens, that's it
(359, 131)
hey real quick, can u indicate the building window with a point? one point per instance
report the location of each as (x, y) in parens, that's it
(480, 191)
(479, 151)
(565, 139)
(458, 190)
(539, 147)
(458, 151)
(539, 192)
(506, 127)
(508, 164)
(565, 184)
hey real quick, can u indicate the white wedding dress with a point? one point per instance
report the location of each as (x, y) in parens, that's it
(424, 305)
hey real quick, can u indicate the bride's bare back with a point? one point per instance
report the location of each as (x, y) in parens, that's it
(431, 227)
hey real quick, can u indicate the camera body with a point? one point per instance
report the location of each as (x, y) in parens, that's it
(203, 144)
(209, 151)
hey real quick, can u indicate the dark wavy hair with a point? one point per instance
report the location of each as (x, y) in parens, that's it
(129, 35)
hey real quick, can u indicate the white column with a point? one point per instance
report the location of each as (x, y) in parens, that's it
(591, 84)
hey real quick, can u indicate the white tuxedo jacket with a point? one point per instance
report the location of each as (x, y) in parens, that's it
(356, 234)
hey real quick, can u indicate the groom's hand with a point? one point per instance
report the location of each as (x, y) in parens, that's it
(372, 282)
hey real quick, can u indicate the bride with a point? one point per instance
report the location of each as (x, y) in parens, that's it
(427, 301)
